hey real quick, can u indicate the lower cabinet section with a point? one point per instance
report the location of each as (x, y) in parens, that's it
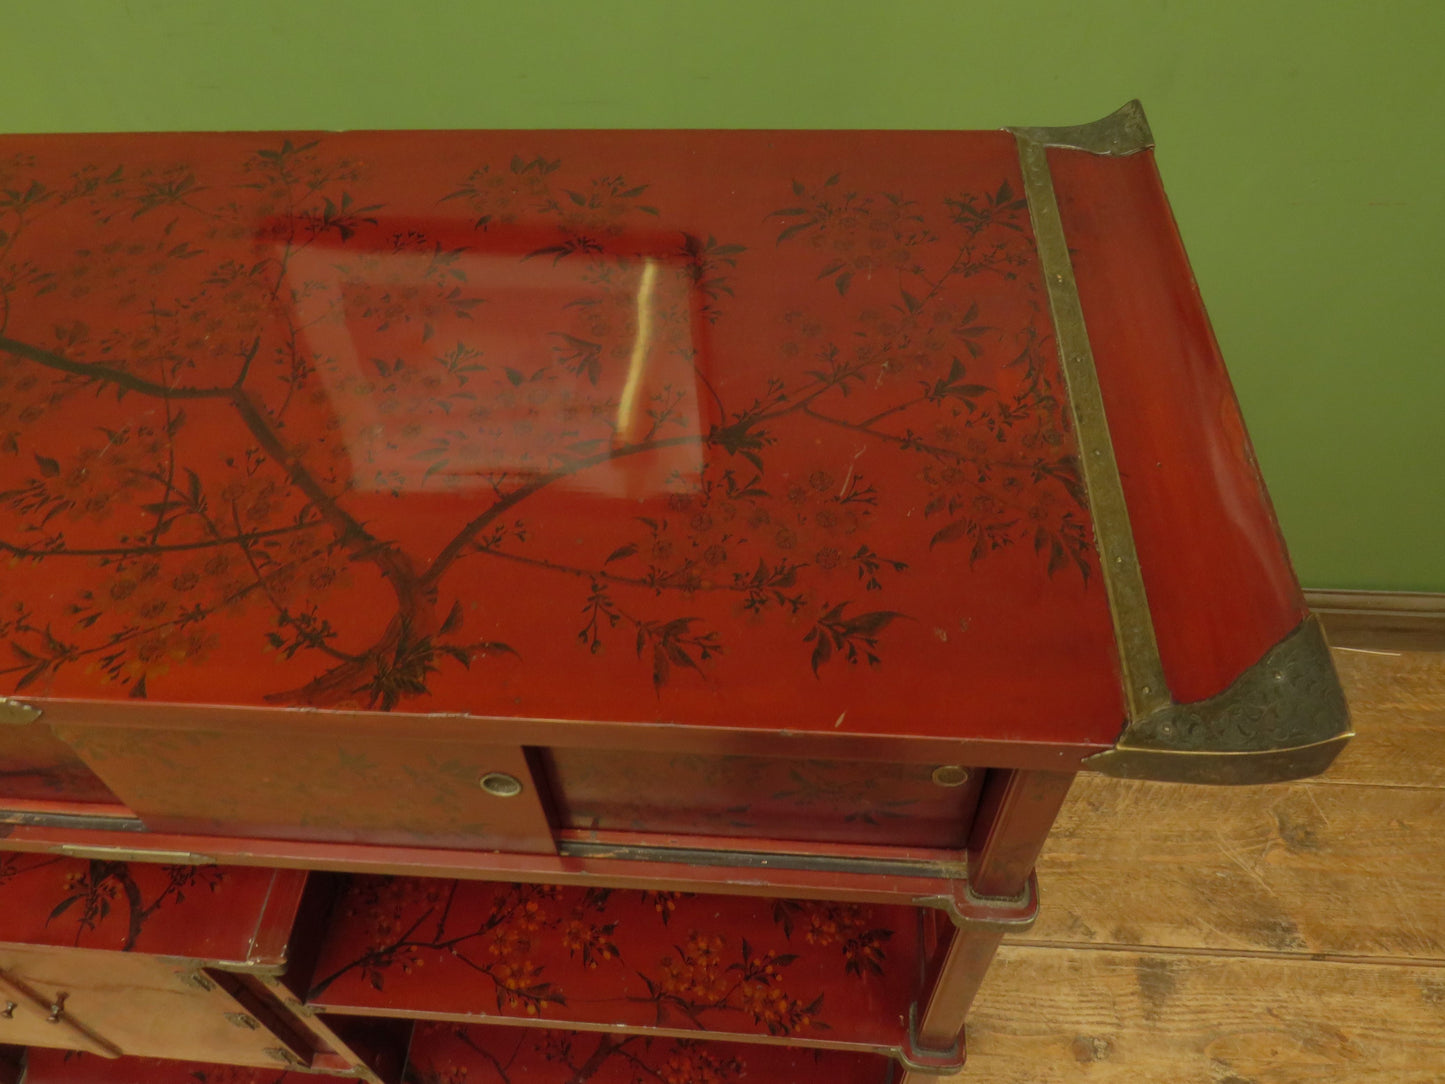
(253, 976)
(478, 1054)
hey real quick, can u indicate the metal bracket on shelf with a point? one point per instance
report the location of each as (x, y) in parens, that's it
(921, 1059)
(132, 854)
(1007, 914)
(17, 713)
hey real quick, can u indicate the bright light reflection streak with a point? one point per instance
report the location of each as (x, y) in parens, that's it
(629, 424)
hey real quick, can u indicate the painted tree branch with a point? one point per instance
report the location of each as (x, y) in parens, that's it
(151, 549)
(96, 371)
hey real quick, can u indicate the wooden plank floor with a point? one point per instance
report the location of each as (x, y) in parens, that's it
(1268, 935)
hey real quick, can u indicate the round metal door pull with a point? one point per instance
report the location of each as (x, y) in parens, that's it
(950, 775)
(501, 785)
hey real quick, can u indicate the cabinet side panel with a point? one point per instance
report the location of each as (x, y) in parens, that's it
(1220, 587)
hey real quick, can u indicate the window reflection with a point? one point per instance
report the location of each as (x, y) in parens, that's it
(457, 369)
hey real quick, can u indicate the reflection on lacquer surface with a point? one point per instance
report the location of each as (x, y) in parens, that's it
(582, 374)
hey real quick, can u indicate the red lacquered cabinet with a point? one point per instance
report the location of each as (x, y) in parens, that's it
(571, 604)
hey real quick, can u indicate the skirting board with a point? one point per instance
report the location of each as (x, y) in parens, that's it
(1381, 620)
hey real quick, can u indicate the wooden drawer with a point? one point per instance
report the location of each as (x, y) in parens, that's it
(166, 960)
(113, 1003)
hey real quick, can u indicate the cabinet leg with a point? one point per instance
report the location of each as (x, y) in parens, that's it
(1015, 814)
(970, 929)
(938, 1022)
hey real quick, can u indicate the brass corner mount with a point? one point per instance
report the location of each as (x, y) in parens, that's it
(1284, 718)
(1123, 132)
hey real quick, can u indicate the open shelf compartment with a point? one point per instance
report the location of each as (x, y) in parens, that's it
(815, 973)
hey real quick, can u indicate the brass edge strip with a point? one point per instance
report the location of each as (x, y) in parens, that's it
(1008, 914)
(1143, 673)
(692, 856)
(1219, 769)
(76, 822)
(16, 713)
(133, 854)
(1123, 132)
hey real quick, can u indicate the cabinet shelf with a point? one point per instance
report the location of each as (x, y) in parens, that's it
(817, 973)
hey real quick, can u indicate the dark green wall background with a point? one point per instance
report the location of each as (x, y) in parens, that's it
(1301, 141)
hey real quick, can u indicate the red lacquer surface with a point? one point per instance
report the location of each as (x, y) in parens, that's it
(204, 913)
(819, 971)
(342, 787)
(448, 1054)
(735, 429)
(35, 765)
(1215, 569)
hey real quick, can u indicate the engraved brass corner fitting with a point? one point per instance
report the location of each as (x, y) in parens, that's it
(1284, 718)
(1123, 132)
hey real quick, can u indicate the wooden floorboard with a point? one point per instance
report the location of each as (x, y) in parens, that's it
(1107, 1016)
(1263, 935)
(1339, 870)
(1398, 706)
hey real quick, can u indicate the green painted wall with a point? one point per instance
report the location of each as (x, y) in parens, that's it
(1301, 141)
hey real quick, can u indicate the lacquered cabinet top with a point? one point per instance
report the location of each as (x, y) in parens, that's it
(737, 429)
